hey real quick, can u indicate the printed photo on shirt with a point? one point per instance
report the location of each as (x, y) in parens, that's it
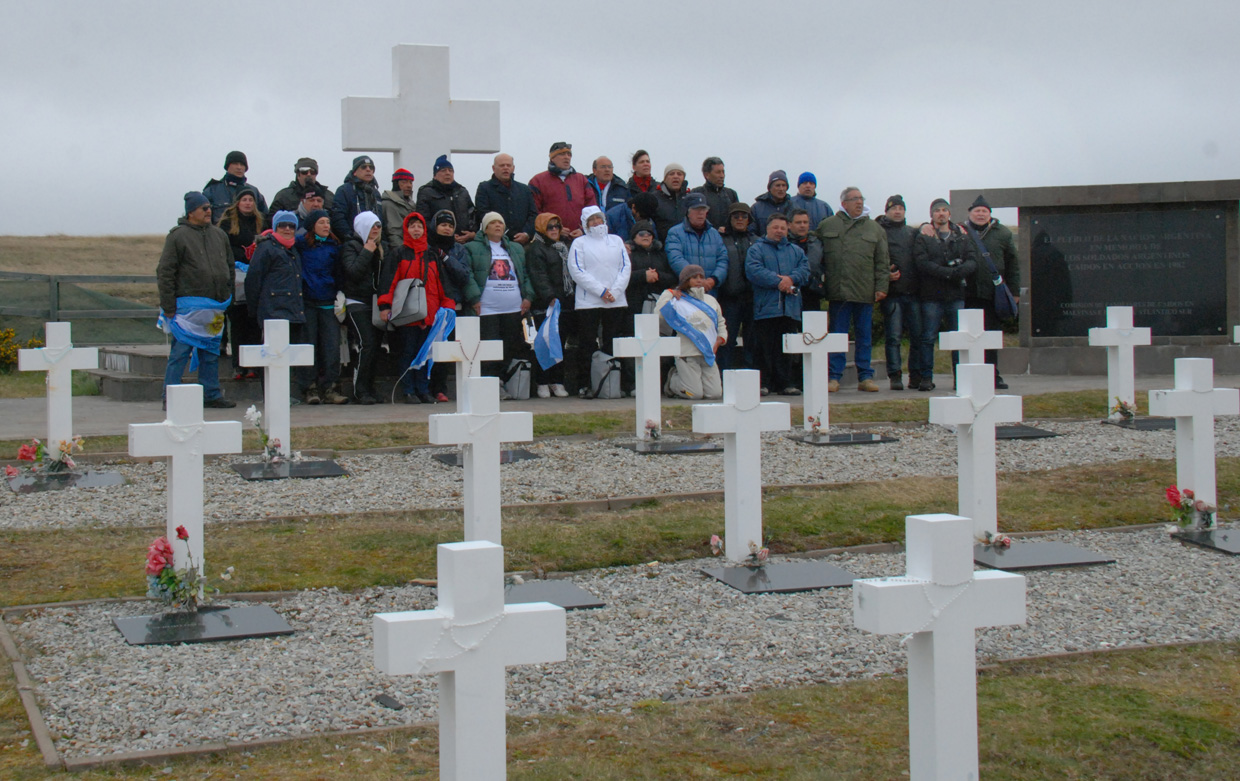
(501, 268)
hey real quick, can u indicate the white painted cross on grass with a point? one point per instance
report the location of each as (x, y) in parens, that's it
(469, 639)
(940, 603)
(971, 337)
(467, 350)
(58, 358)
(816, 344)
(276, 356)
(1194, 403)
(420, 121)
(184, 438)
(647, 347)
(479, 429)
(974, 410)
(1119, 337)
(741, 418)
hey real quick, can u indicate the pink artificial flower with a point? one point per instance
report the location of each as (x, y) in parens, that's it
(11, 471)
(1187, 493)
(27, 452)
(1201, 506)
(158, 556)
(764, 554)
(716, 544)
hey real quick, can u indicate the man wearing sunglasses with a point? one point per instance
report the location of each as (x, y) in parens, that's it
(358, 194)
(305, 176)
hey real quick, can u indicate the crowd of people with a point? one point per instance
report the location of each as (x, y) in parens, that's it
(730, 277)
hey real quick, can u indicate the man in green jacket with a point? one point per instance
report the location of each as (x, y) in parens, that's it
(999, 243)
(856, 263)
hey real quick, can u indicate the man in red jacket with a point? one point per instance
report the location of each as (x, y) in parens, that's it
(561, 190)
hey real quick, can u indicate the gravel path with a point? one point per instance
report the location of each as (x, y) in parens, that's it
(575, 470)
(667, 632)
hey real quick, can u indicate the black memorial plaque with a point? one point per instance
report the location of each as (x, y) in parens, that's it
(1222, 540)
(676, 447)
(782, 578)
(38, 482)
(1169, 265)
(1021, 431)
(456, 458)
(210, 624)
(1036, 555)
(564, 593)
(850, 438)
(286, 470)
(1143, 424)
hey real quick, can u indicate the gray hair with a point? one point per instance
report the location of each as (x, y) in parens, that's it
(844, 193)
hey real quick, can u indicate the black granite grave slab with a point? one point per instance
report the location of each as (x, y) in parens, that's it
(1021, 431)
(1143, 423)
(782, 578)
(34, 483)
(1222, 540)
(210, 624)
(849, 438)
(1036, 555)
(564, 593)
(505, 457)
(286, 470)
(674, 447)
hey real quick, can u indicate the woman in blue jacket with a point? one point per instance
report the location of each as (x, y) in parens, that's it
(320, 274)
(273, 283)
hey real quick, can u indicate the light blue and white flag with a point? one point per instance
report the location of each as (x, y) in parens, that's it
(199, 322)
(445, 321)
(547, 347)
(676, 312)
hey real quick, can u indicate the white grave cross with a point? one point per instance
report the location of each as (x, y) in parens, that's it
(971, 337)
(941, 602)
(467, 350)
(1119, 337)
(741, 418)
(59, 358)
(276, 355)
(647, 347)
(469, 639)
(184, 438)
(420, 121)
(816, 344)
(974, 410)
(479, 429)
(1194, 403)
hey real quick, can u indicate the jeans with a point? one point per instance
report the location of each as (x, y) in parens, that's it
(208, 369)
(322, 331)
(933, 315)
(861, 317)
(902, 314)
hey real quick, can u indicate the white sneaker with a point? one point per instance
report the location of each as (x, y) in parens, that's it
(503, 394)
(559, 390)
(544, 392)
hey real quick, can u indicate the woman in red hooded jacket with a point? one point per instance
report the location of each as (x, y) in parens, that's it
(412, 261)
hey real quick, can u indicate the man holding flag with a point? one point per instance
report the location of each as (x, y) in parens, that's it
(196, 278)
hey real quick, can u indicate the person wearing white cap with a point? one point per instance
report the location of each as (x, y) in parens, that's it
(670, 194)
(599, 264)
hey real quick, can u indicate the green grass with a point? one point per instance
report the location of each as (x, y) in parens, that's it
(27, 385)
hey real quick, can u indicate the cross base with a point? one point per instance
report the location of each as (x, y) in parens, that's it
(1143, 423)
(681, 447)
(1221, 540)
(1021, 431)
(457, 458)
(562, 593)
(850, 438)
(209, 624)
(285, 470)
(1036, 555)
(782, 578)
(58, 481)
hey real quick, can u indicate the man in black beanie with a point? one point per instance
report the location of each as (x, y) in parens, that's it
(358, 194)
(996, 241)
(305, 176)
(222, 192)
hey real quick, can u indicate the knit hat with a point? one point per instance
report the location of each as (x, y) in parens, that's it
(645, 204)
(313, 190)
(895, 200)
(937, 202)
(441, 163)
(360, 161)
(776, 176)
(284, 218)
(642, 225)
(667, 169)
(689, 272)
(695, 201)
(363, 222)
(235, 157)
(306, 162)
(246, 190)
(559, 146)
(981, 201)
(195, 200)
(491, 217)
(314, 217)
(807, 177)
(740, 207)
(402, 175)
(446, 215)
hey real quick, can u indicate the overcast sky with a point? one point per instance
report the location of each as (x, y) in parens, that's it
(111, 111)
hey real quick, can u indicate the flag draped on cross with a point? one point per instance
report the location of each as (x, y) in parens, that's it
(445, 321)
(679, 322)
(199, 322)
(547, 347)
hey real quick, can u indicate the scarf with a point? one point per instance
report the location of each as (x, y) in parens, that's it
(641, 183)
(286, 243)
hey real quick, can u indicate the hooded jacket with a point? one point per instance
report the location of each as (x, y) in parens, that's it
(642, 259)
(436, 196)
(563, 198)
(686, 246)
(546, 268)
(855, 258)
(416, 262)
(513, 201)
(765, 263)
(353, 198)
(222, 192)
(273, 284)
(900, 239)
(453, 262)
(196, 261)
(395, 207)
(360, 269)
(599, 265)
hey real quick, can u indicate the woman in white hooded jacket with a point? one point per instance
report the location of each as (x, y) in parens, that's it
(599, 264)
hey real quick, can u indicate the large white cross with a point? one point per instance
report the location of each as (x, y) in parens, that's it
(469, 639)
(58, 358)
(1194, 403)
(1119, 337)
(467, 350)
(479, 429)
(816, 344)
(184, 438)
(276, 355)
(974, 410)
(741, 418)
(420, 121)
(941, 602)
(971, 337)
(647, 347)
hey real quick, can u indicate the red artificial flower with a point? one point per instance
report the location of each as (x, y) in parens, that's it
(158, 556)
(11, 471)
(182, 534)
(1173, 495)
(27, 452)
(1188, 493)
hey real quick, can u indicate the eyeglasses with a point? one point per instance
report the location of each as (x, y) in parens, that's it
(855, 198)
(367, 167)
(306, 171)
(555, 226)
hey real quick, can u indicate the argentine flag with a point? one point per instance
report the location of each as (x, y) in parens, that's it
(445, 322)
(199, 322)
(547, 347)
